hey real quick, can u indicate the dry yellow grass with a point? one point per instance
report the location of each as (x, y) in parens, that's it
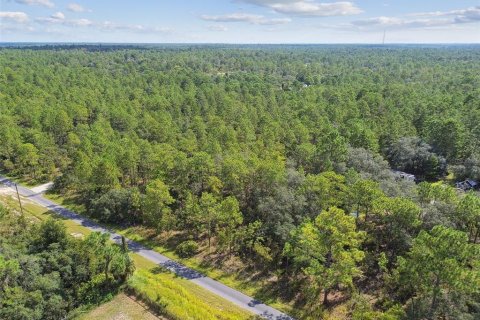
(122, 307)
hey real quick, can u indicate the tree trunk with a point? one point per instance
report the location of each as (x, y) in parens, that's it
(412, 307)
(124, 244)
(107, 266)
(357, 216)
(325, 297)
(436, 291)
(209, 236)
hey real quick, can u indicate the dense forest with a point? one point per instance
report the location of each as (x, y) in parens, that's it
(285, 158)
(46, 274)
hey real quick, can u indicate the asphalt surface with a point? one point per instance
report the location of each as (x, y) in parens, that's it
(232, 295)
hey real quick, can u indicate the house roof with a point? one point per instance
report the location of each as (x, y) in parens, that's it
(471, 182)
(467, 184)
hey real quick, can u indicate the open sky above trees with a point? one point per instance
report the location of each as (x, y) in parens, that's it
(241, 21)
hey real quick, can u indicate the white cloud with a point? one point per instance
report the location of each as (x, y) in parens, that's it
(381, 21)
(245, 17)
(112, 26)
(271, 22)
(472, 13)
(467, 15)
(59, 19)
(14, 16)
(309, 8)
(45, 3)
(304, 8)
(427, 14)
(217, 27)
(423, 20)
(384, 22)
(75, 7)
(79, 22)
(16, 28)
(58, 15)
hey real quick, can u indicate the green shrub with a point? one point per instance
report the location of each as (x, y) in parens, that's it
(187, 249)
(97, 290)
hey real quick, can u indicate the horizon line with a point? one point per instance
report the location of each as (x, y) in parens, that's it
(241, 43)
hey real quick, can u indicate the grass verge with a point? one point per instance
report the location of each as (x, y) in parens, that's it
(163, 292)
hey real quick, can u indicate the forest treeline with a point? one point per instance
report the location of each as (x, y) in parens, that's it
(282, 157)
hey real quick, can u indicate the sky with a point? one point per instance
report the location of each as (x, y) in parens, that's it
(240, 21)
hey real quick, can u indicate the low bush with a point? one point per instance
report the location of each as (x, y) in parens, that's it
(187, 249)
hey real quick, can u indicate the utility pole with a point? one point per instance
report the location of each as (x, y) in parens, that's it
(124, 245)
(19, 201)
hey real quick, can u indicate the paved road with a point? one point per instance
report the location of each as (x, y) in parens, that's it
(216, 287)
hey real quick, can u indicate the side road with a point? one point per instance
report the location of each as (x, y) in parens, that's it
(244, 301)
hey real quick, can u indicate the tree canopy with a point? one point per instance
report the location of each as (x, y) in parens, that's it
(279, 158)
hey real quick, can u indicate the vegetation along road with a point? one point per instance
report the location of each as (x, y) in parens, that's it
(216, 287)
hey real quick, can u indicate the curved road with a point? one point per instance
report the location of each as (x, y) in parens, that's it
(244, 301)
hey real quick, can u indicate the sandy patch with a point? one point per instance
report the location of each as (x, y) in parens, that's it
(122, 307)
(77, 235)
(121, 316)
(42, 188)
(7, 191)
(10, 192)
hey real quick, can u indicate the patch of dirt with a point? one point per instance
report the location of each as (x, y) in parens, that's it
(7, 191)
(77, 235)
(122, 307)
(121, 316)
(42, 188)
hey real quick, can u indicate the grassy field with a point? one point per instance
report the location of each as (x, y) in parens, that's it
(122, 307)
(182, 298)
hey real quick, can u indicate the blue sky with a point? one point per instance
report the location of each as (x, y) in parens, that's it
(241, 21)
